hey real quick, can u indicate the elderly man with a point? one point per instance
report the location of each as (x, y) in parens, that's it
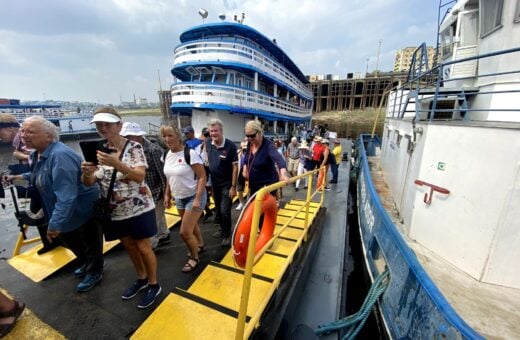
(293, 157)
(223, 168)
(67, 203)
(154, 178)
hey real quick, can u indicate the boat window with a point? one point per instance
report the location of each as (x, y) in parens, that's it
(468, 29)
(447, 42)
(491, 16)
(517, 12)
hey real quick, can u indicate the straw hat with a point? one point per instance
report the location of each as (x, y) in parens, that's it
(303, 145)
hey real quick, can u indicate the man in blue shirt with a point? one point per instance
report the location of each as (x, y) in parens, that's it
(191, 141)
(67, 203)
(223, 168)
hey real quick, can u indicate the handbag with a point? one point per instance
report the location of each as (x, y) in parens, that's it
(102, 213)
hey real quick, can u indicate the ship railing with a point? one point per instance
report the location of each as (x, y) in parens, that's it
(423, 95)
(194, 93)
(253, 258)
(207, 50)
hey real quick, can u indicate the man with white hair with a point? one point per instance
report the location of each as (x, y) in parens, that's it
(67, 204)
(293, 157)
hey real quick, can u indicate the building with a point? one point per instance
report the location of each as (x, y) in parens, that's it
(403, 58)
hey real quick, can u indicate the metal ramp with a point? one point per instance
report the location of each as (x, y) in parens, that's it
(38, 267)
(209, 308)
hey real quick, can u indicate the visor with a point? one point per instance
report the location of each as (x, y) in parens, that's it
(105, 117)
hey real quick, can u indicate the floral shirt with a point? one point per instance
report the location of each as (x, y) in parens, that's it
(129, 198)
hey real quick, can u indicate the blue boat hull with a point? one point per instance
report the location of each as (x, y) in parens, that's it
(412, 306)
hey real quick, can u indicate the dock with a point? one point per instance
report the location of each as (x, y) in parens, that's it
(55, 311)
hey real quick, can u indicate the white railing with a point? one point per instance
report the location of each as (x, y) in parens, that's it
(205, 51)
(183, 93)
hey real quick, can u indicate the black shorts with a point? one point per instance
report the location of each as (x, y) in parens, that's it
(138, 227)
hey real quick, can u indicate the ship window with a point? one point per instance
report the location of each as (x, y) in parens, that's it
(399, 137)
(517, 12)
(490, 16)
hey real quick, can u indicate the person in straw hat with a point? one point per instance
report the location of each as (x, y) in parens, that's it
(305, 163)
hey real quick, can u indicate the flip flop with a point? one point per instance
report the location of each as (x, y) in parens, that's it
(15, 314)
(188, 267)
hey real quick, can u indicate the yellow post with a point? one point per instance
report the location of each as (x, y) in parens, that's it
(248, 273)
(307, 203)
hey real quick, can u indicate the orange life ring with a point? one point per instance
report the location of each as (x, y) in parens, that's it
(243, 228)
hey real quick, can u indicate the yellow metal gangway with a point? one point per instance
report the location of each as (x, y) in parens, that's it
(227, 302)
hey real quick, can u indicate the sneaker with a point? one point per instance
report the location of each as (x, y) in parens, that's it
(132, 291)
(296, 189)
(239, 207)
(88, 283)
(328, 188)
(217, 234)
(164, 240)
(207, 215)
(149, 297)
(226, 242)
(80, 271)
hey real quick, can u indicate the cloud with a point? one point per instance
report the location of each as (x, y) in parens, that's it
(106, 50)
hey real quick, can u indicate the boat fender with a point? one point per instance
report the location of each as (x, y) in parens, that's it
(243, 228)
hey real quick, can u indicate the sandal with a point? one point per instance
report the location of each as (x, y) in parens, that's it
(202, 249)
(15, 314)
(188, 267)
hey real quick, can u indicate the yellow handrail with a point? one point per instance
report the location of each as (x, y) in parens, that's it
(252, 259)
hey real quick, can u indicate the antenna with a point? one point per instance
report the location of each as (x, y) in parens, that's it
(222, 16)
(243, 17)
(203, 13)
(159, 78)
(378, 53)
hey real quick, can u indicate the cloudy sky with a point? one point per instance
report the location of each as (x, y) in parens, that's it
(108, 50)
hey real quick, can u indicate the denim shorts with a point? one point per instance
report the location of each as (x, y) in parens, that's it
(187, 202)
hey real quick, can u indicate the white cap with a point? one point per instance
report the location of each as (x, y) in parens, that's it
(132, 129)
(105, 117)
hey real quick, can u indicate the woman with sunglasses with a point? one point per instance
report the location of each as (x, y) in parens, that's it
(261, 159)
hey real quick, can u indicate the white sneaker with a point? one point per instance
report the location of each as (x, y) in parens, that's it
(240, 206)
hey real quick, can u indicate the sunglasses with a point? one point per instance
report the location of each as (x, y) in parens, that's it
(251, 136)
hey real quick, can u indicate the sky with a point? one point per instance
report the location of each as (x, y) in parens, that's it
(107, 51)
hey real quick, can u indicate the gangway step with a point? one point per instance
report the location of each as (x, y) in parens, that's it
(182, 315)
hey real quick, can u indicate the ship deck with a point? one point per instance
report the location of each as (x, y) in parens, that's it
(55, 311)
(492, 310)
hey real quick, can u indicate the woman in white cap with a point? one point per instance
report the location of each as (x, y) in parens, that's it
(133, 215)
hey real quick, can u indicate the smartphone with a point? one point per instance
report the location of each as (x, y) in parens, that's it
(90, 148)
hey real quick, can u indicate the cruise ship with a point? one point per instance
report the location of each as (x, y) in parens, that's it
(230, 71)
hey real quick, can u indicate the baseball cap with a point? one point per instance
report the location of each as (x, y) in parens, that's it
(188, 129)
(131, 129)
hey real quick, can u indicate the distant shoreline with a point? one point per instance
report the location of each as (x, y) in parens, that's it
(140, 112)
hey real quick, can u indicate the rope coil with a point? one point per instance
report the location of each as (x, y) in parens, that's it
(355, 322)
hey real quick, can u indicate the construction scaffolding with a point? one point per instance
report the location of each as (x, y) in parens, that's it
(351, 94)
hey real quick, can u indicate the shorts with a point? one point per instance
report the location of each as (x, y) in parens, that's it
(187, 202)
(137, 227)
(241, 183)
(292, 165)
